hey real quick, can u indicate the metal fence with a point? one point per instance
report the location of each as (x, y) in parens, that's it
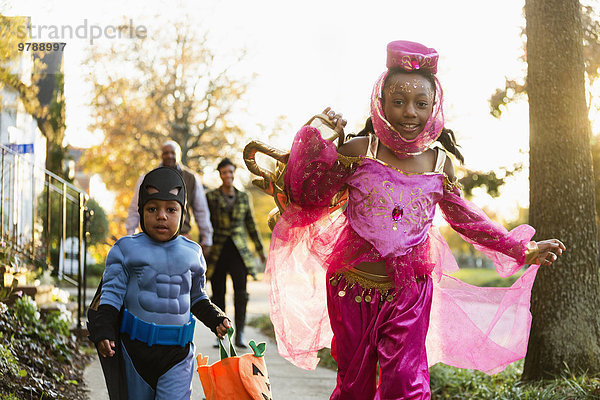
(44, 222)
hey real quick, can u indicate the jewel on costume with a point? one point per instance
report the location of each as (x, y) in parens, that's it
(397, 213)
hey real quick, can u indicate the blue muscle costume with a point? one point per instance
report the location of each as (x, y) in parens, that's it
(150, 289)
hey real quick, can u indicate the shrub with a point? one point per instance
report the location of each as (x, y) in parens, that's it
(39, 358)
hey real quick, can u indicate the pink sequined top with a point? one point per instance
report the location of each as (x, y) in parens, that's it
(390, 209)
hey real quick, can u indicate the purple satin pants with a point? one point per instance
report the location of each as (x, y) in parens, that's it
(389, 332)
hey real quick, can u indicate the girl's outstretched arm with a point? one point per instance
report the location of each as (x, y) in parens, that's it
(509, 250)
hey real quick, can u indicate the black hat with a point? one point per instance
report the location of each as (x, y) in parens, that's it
(170, 185)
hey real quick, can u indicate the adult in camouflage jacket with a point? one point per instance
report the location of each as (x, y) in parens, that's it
(233, 222)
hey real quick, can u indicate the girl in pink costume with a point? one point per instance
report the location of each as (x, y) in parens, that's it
(380, 266)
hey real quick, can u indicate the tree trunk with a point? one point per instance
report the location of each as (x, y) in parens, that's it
(566, 297)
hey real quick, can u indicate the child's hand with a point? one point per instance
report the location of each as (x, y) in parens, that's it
(550, 250)
(337, 119)
(222, 328)
(105, 347)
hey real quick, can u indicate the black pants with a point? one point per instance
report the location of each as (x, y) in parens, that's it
(230, 262)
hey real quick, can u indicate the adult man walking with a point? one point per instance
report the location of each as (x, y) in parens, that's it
(196, 199)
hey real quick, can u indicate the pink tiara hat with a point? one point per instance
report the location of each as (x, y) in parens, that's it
(411, 57)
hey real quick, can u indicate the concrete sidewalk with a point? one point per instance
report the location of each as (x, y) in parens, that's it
(287, 381)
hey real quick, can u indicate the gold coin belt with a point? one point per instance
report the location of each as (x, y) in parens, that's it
(354, 277)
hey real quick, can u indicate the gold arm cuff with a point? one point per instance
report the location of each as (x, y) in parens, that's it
(450, 185)
(348, 161)
(532, 253)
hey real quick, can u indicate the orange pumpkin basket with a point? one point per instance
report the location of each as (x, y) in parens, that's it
(236, 377)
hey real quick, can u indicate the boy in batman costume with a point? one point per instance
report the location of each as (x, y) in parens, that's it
(141, 317)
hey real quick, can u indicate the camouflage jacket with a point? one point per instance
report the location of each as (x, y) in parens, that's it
(239, 226)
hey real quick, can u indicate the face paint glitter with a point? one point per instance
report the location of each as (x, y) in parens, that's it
(407, 87)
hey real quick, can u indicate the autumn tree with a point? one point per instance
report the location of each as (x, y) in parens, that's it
(10, 31)
(46, 105)
(566, 297)
(515, 87)
(169, 85)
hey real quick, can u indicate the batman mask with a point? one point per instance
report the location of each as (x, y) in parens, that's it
(168, 184)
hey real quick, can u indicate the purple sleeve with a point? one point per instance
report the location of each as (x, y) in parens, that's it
(315, 170)
(506, 249)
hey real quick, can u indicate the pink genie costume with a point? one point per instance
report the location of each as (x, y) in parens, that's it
(418, 315)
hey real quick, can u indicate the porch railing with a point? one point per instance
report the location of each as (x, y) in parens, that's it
(44, 221)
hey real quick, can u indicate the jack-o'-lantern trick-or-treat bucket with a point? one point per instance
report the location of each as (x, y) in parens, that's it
(236, 377)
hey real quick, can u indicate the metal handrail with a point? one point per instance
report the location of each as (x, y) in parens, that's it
(24, 187)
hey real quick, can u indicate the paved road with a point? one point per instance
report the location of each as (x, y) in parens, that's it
(287, 381)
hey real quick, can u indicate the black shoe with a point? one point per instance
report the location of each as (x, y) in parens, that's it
(239, 341)
(216, 344)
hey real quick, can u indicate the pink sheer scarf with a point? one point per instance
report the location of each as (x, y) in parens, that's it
(402, 147)
(482, 328)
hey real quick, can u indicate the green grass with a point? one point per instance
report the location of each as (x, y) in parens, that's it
(450, 383)
(8, 396)
(485, 277)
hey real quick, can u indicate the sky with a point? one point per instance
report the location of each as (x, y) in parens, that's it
(312, 54)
